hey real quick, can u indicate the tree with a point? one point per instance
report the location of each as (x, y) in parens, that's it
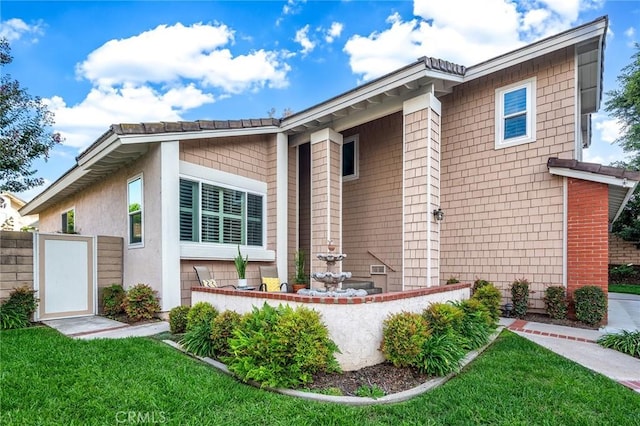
(25, 133)
(624, 105)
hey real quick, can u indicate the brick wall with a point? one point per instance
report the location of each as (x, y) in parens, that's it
(503, 210)
(16, 261)
(372, 204)
(587, 235)
(622, 252)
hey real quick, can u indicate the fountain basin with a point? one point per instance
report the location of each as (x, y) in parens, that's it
(331, 277)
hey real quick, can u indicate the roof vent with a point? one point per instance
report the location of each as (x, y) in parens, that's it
(378, 269)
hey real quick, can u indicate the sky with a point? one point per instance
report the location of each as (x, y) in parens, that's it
(97, 63)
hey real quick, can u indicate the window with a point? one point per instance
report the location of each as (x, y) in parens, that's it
(516, 114)
(350, 158)
(216, 214)
(69, 222)
(134, 210)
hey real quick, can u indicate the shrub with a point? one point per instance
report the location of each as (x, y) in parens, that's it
(478, 284)
(627, 342)
(591, 304)
(281, 347)
(520, 297)
(622, 271)
(178, 319)
(443, 317)
(475, 330)
(453, 280)
(373, 391)
(221, 331)
(441, 354)
(403, 335)
(555, 300)
(475, 306)
(490, 297)
(197, 340)
(112, 298)
(12, 316)
(140, 302)
(201, 312)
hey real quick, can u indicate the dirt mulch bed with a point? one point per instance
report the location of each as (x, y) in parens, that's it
(384, 376)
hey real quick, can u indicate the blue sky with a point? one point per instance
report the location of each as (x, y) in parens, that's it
(102, 62)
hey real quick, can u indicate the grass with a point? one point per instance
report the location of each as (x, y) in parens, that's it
(624, 288)
(49, 379)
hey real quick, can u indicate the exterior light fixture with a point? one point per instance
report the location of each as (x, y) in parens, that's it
(438, 214)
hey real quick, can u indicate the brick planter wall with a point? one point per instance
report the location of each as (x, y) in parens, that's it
(587, 235)
(16, 261)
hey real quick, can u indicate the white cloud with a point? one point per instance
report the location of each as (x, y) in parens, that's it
(302, 37)
(15, 29)
(462, 31)
(333, 32)
(171, 53)
(161, 74)
(630, 33)
(609, 129)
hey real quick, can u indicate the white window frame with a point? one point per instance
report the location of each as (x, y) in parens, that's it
(530, 136)
(356, 157)
(219, 251)
(129, 181)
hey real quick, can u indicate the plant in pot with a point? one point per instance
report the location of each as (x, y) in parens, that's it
(301, 280)
(241, 268)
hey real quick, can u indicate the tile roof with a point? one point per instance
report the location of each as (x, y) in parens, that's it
(596, 168)
(442, 65)
(189, 126)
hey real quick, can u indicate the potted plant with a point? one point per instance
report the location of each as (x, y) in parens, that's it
(301, 279)
(241, 268)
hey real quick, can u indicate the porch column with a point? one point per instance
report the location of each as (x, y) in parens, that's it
(326, 196)
(282, 198)
(421, 192)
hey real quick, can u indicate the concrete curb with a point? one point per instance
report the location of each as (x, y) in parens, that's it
(355, 400)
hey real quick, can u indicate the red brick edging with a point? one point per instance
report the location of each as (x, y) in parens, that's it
(519, 325)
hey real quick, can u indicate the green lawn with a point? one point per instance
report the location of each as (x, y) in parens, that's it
(624, 288)
(46, 378)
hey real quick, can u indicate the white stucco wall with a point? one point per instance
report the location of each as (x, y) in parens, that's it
(355, 328)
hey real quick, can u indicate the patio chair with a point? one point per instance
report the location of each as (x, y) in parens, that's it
(269, 280)
(205, 277)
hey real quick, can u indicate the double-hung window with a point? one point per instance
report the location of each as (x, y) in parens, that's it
(212, 213)
(350, 158)
(69, 221)
(516, 114)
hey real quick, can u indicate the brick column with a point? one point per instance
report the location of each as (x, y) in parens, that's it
(421, 192)
(326, 197)
(587, 235)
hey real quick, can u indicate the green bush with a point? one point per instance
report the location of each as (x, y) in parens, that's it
(441, 354)
(403, 335)
(475, 330)
(478, 284)
(201, 312)
(178, 319)
(12, 316)
(475, 306)
(622, 271)
(520, 297)
(140, 302)
(221, 331)
(112, 298)
(555, 300)
(627, 342)
(453, 280)
(490, 297)
(197, 340)
(443, 317)
(281, 347)
(590, 304)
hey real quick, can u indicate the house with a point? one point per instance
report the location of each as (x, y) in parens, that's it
(10, 218)
(430, 172)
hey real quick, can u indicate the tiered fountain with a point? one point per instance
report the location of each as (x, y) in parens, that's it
(332, 280)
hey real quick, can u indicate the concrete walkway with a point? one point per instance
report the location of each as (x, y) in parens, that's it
(579, 345)
(94, 327)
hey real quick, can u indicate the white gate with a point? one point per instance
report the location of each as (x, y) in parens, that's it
(65, 275)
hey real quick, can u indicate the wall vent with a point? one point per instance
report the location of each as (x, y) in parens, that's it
(378, 269)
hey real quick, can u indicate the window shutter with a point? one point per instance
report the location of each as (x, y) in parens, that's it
(188, 211)
(254, 220)
(64, 223)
